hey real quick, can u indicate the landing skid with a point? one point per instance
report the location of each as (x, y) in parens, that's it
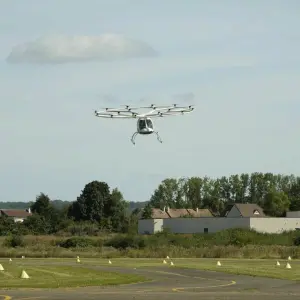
(136, 133)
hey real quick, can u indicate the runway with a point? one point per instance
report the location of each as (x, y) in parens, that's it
(168, 283)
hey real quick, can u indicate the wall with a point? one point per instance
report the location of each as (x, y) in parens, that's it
(150, 226)
(293, 214)
(18, 220)
(158, 225)
(274, 225)
(197, 225)
(146, 226)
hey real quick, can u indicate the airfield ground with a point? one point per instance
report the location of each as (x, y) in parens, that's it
(193, 278)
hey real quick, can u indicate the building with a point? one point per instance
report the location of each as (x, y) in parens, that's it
(248, 216)
(248, 210)
(293, 214)
(18, 215)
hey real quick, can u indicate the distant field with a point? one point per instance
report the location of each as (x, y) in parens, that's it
(53, 272)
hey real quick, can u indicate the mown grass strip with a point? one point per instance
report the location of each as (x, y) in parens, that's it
(45, 276)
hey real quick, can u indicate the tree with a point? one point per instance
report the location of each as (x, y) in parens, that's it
(42, 205)
(46, 217)
(214, 194)
(97, 204)
(147, 211)
(116, 210)
(92, 202)
(276, 203)
(169, 193)
(38, 224)
(294, 195)
(193, 191)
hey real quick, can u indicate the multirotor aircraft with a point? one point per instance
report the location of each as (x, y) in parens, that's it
(144, 123)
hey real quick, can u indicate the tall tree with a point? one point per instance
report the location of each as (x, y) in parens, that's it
(91, 205)
(193, 190)
(116, 210)
(276, 203)
(147, 211)
(42, 205)
(294, 195)
(169, 193)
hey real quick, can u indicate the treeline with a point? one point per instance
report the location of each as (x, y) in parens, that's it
(275, 193)
(96, 210)
(101, 209)
(60, 204)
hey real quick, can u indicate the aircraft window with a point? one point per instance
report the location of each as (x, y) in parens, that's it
(149, 124)
(142, 124)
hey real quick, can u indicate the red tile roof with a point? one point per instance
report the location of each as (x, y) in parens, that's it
(19, 213)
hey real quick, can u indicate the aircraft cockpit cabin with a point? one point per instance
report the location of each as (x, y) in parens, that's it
(145, 126)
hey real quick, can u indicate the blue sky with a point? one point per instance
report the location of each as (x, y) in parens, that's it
(240, 60)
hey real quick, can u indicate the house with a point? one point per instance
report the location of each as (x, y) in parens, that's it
(18, 215)
(237, 215)
(245, 210)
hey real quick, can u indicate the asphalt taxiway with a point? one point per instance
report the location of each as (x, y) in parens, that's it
(170, 283)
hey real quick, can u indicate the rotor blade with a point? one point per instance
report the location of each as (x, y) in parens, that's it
(153, 106)
(128, 107)
(164, 114)
(127, 115)
(166, 106)
(115, 116)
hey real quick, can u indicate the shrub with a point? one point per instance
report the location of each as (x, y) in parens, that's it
(77, 242)
(14, 241)
(297, 241)
(124, 242)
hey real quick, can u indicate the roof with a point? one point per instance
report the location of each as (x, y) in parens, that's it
(179, 213)
(19, 213)
(205, 212)
(159, 214)
(247, 210)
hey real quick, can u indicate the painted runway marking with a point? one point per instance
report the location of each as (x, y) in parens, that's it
(52, 272)
(171, 273)
(31, 298)
(204, 287)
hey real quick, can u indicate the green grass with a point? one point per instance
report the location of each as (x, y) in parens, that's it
(259, 267)
(52, 272)
(252, 267)
(53, 276)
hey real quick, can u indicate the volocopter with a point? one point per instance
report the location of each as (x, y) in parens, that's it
(145, 124)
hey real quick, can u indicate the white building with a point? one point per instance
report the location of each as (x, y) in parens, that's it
(249, 216)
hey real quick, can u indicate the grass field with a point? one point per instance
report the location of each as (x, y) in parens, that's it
(252, 267)
(52, 272)
(58, 275)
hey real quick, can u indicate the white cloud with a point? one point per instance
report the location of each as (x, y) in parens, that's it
(59, 49)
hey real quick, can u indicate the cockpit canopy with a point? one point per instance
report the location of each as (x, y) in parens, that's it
(145, 123)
